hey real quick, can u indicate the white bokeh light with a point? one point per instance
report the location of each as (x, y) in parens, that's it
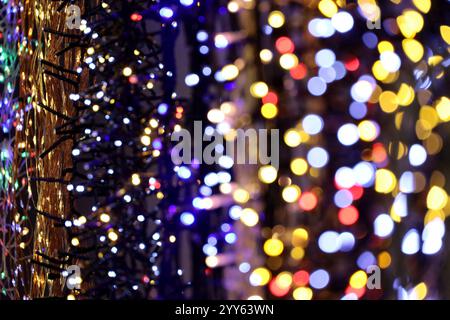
(312, 124)
(411, 242)
(325, 58)
(329, 242)
(390, 61)
(317, 157)
(361, 91)
(348, 134)
(383, 225)
(417, 155)
(342, 21)
(317, 86)
(321, 28)
(345, 177)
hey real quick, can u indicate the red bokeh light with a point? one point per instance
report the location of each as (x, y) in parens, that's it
(270, 97)
(357, 192)
(348, 216)
(133, 79)
(276, 290)
(284, 45)
(352, 64)
(301, 278)
(299, 72)
(136, 17)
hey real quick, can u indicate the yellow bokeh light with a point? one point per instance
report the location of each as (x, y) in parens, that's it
(82, 220)
(405, 95)
(273, 247)
(302, 293)
(104, 217)
(413, 49)
(75, 242)
(328, 8)
(127, 71)
(445, 33)
(212, 261)
(149, 85)
(384, 260)
(376, 94)
(276, 19)
(299, 166)
(146, 140)
(388, 101)
(437, 198)
(291, 193)
(419, 292)
(379, 71)
(429, 115)
(392, 77)
(423, 5)
(112, 235)
(135, 179)
(433, 143)
(288, 61)
(266, 55)
(241, 195)
(230, 72)
(385, 181)
(410, 23)
(260, 276)
(423, 129)
(292, 138)
(269, 110)
(267, 174)
(368, 130)
(385, 46)
(396, 218)
(249, 217)
(284, 280)
(300, 237)
(259, 89)
(370, 9)
(433, 214)
(443, 109)
(415, 19)
(358, 280)
(233, 6)
(434, 61)
(297, 253)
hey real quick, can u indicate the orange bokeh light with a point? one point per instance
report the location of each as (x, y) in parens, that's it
(284, 45)
(308, 201)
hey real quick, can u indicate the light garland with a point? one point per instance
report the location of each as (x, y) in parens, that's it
(11, 224)
(129, 236)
